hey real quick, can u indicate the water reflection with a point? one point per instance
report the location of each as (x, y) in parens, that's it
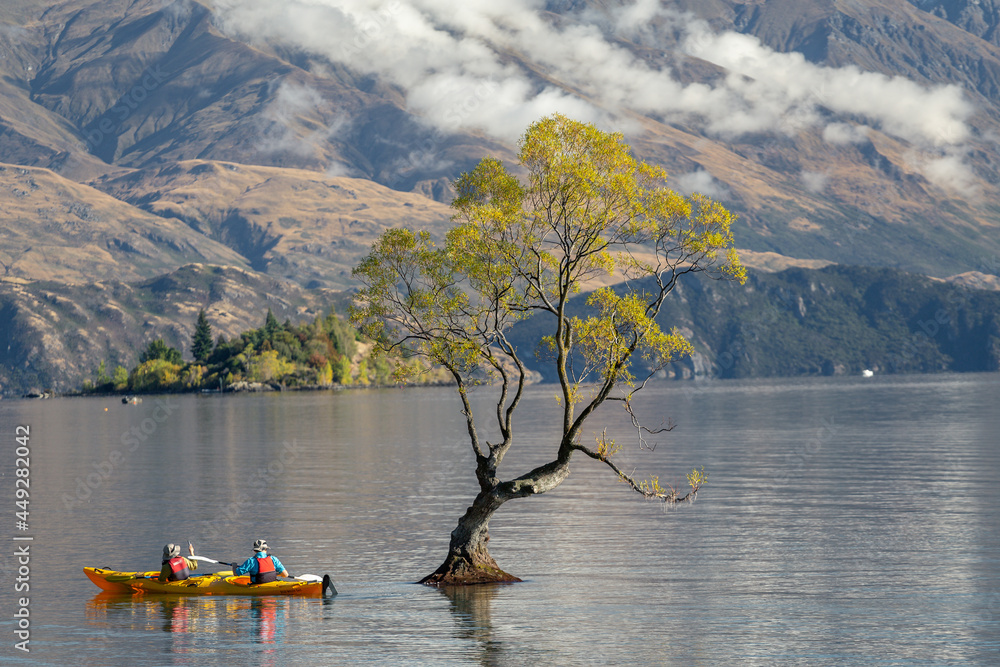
(879, 546)
(99, 606)
(169, 613)
(177, 615)
(262, 621)
(471, 607)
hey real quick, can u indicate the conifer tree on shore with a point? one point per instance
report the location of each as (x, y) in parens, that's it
(201, 341)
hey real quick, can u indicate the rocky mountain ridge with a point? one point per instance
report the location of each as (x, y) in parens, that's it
(141, 136)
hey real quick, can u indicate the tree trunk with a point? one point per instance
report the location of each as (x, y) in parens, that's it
(469, 560)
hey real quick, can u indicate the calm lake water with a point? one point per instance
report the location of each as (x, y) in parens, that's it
(846, 521)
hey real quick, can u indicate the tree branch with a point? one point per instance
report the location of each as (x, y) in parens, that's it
(651, 489)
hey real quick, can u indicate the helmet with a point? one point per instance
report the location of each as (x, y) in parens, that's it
(260, 545)
(171, 551)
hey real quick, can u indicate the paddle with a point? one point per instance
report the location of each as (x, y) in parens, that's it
(209, 560)
(327, 581)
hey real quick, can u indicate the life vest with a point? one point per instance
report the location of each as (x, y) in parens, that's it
(178, 569)
(265, 572)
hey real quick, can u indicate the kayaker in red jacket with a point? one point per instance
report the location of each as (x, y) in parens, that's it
(176, 567)
(261, 567)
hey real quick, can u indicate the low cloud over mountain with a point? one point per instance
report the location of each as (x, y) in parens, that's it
(480, 66)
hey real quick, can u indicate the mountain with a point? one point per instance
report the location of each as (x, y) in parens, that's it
(855, 132)
(297, 224)
(276, 140)
(135, 84)
(54, 335)
(56, 229)
(838, 320)
(834, 321)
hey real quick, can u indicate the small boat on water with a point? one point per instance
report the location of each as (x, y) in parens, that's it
(219, 583)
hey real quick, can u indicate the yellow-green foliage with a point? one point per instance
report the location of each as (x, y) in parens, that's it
(193, 376)
(585, 209)
(342, 371)
(120, 378)
(315, 353)
(622, 327)
(607, 447)
(697, 478)
(324, 375)
(588, 208)
(652, 487)
(267, 366)
(155, 374)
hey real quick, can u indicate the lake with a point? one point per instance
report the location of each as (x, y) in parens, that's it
(845, 521)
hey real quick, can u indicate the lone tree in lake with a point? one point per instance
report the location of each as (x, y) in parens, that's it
(589, 208)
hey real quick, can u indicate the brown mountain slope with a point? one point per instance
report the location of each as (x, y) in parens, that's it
(54, 335)
(978, 17)
(29, 133)
(292, 223)
(230, 146)
(854, 203)
(54, 229)
(143, 84)
(896, 37)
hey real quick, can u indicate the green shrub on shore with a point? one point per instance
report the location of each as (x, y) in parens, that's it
(323, 353)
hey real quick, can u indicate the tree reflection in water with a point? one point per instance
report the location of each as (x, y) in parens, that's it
(471, 606)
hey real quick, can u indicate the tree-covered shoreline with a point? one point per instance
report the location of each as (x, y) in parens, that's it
(325, 353)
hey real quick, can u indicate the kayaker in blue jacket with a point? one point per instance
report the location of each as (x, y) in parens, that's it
(261, 567)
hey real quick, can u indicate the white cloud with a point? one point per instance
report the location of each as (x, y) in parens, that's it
(635, 17)
(458, 63)
(336, 169)
(949, 171)
(814, 181)
(845, 133)
(701, 182)
(777, 84)
(279, 124)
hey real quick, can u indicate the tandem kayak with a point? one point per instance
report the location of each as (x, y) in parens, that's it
(220, 583)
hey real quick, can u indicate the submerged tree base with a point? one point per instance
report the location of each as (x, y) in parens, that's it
(461, 572)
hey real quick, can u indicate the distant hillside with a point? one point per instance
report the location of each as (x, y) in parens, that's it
(269, 143)
(54, 335)
(291, 223)
(831, 321)
(851, 132)
(54, 229)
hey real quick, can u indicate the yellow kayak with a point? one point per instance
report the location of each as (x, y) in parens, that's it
(220, 583)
